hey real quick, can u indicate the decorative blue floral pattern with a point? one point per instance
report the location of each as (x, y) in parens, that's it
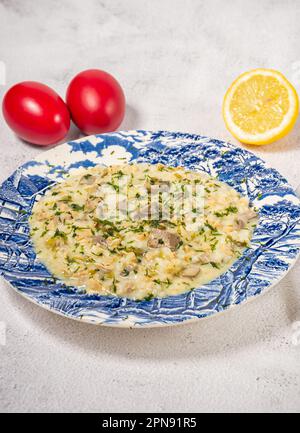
(273, 250)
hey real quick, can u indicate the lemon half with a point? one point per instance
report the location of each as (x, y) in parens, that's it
(260, 106)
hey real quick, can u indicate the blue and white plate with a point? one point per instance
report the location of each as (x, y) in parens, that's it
(273, 250)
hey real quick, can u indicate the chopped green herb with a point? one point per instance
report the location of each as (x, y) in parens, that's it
(149, 297)
(60, 234)
(227, 211)
(77, 207)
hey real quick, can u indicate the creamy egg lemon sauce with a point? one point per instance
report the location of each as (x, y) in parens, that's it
(147, 247)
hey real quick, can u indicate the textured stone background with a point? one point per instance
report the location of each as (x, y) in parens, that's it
(175, 59)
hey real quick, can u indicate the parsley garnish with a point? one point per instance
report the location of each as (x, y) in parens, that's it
(227, 211)
(77, 207)
(60, 234)
(149, 297)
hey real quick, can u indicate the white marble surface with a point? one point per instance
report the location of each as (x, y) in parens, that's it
(175, 59)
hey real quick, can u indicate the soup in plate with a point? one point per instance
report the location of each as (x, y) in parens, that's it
(140, 230)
